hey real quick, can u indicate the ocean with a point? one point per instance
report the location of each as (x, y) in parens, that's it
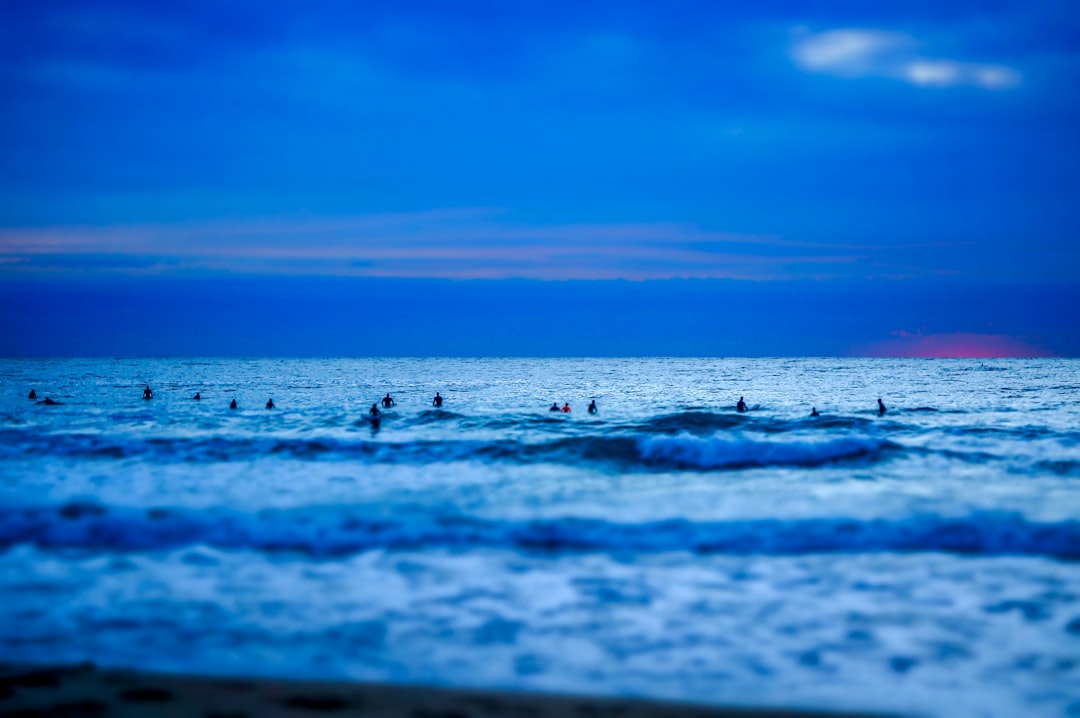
(922, 562)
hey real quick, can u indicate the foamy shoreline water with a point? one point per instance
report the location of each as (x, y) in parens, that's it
(924, 561)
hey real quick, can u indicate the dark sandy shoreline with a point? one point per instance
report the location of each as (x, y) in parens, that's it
(84, 690)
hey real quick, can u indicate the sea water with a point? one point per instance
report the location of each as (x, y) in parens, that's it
(924, 561)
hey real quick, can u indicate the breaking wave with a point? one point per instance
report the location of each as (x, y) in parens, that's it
(629, 452)
(719, 453)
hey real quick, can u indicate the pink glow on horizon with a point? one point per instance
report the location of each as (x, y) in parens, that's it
(957, 345)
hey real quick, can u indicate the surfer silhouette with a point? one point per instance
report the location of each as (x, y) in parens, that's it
(387, 402)
(437, 401)
(48, 402)
(554, 406)
(270, 403)
(880, 408)
(375, 409)
(813, 411)
(146, 393)
(232, 404)
(741, 406)
(592, 407)
(33, 394)
(566, 408)
(197, 397)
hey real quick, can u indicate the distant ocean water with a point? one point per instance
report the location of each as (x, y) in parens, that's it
(926, 561)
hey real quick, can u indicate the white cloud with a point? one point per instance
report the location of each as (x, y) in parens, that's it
(945, 73)
(848, 53)
(932, 73)
(858, 53)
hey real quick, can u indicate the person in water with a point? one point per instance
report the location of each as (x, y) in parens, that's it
(33, 394)
(880, 408)
(437, 401)
(387, 402)
(48, 402)
(813, 411)
(232, 404)
(146, 393)
(592, 407)
(270, 403)
(554, 406)
(375, 409)
(197, 397)
(741, 406)
(566, 408)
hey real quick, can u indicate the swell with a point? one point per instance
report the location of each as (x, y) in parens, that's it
(337, 530)
(626, 451)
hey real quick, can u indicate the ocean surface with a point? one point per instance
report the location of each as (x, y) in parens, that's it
(925, 562)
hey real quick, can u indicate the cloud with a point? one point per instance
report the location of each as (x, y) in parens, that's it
(862, 53)
(847, 53)
(464, 243)
(945, 73)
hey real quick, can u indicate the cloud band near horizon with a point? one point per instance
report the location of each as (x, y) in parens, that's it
(465, 243)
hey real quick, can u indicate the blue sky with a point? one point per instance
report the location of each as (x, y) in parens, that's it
(835, 152)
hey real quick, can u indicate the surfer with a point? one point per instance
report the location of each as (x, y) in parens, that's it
(270, 403)
(880, 408)
(592, 407)
(197, 397)
(554, 406)
(741, 406)
(437, 401)
(232, 404)
(146, 393)
(375, 409)
(566, 408)
(33, 394)
(387, 402)
(48, 402)
(813, 411)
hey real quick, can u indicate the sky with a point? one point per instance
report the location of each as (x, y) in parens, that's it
(540, 178)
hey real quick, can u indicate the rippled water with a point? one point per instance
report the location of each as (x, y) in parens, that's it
(923, 561)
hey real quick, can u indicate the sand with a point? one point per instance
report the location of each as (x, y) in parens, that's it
(85, 690)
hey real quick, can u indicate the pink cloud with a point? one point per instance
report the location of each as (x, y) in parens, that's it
(953, 345)
(454, 244)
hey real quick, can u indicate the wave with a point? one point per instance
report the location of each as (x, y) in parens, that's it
(706, 422)
(692, 422)
(1061, 467)
(718, 453)
(627, 452)
(337, 530)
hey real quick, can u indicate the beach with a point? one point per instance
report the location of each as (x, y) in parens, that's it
(84, 690)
